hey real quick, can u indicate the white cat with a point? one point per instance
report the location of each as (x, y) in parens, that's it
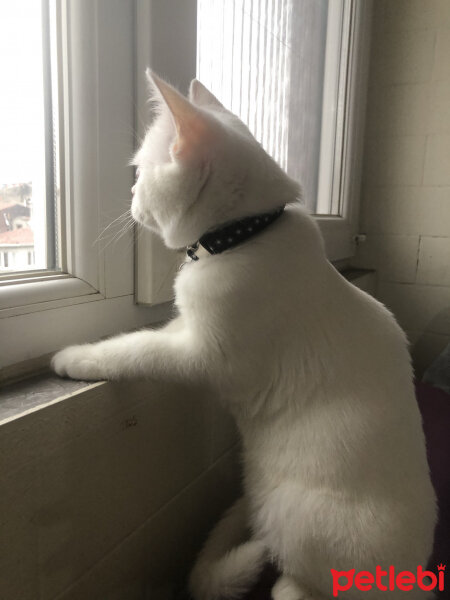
(316, 373)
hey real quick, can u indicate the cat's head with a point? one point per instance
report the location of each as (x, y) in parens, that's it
(199, 167)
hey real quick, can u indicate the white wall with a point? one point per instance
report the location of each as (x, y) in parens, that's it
(406, 179)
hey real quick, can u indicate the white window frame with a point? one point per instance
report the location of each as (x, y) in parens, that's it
(343, 126)
(346, 68)
(94, 295)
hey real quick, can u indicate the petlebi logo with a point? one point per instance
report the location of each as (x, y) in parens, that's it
(388, 580)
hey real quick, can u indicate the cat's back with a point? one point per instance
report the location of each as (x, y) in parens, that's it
(280, 286)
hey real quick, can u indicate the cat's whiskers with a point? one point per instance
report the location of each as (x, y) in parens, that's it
(117, 221)
(118, 235)
(124, 222)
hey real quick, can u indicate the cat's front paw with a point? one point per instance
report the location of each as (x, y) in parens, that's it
(79, 362)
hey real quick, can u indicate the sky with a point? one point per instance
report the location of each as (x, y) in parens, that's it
(21, 91)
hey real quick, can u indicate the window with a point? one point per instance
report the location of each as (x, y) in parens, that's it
(90, 293)
(281, 67)
(266, 62)
(296, 72)
(29, 141)
(85, 82)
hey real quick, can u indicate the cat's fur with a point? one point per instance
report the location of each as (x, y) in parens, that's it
(316, 373)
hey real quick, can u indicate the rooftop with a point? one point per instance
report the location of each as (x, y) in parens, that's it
(23, 236)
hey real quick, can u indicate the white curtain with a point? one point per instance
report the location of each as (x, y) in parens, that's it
(264, 60)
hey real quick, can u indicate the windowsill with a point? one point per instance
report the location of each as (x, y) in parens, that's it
(36, 393)
(23, 297)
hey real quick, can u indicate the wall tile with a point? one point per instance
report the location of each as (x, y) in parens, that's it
(406, 15)
(394, 160)
(406, 210)
(111, 481)
(426, 348)
(161, 551)
(438, 116)
(443, 13)
(397, 110)
(403, 57)
(441, 66)
(19, 575)
(365, 280)
(406, 186)
(434, 261)
(437, 161)
(393, 256)
(92, 470)
(418, 307)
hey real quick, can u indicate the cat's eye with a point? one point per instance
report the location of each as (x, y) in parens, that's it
(29, 141)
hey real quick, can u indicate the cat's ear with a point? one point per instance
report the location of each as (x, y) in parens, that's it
(192, 128)
(200, 95)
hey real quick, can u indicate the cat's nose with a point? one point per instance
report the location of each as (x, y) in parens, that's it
(133, 189)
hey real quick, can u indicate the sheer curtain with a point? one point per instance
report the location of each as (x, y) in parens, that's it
(264, 60)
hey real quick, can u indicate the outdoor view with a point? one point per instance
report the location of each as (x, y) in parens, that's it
(22, 138)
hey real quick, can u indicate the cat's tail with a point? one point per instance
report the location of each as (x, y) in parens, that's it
(228, 565)
(230, 576)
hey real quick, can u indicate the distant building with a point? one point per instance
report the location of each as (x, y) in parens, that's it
(16, 236)
(14, 216)
(16, 249)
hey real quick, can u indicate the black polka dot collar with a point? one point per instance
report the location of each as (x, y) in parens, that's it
(234, 233)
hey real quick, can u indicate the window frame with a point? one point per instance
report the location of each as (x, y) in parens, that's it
(104, 86)
(153, 284)
(156, 265)
(339, 232)
(95, 288)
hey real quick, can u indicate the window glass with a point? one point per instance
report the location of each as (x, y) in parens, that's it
(28, 140)
(266, 62)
